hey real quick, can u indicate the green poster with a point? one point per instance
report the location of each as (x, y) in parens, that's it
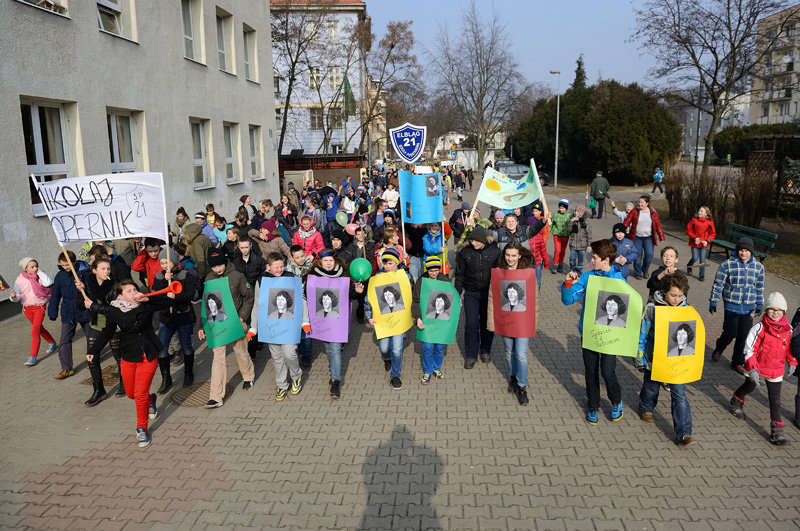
(612, 317)
(219, 316)
(440, 307)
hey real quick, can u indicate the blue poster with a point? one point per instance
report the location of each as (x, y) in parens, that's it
(280, 310)
(421, 197)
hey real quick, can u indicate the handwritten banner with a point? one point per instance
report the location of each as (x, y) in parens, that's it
(389, 295)
(280, 310)
(329, 308)
(440, 307)
(420, 197)
(612, 317)
(679, 345)
(105, 207)
(218, 314)
(502, 191)
(514, 302)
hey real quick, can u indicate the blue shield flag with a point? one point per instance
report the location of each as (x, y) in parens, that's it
(408, 141)
(280, 310)
(420, 197)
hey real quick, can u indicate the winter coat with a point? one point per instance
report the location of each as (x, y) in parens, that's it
(463, 240)
(275, 245)
(599, 187)
(240, 292)
(473, 267)
(633, 219)
(457, 222)
(580, 233)
(415, 235)
(627, 249)
(144, 264)
(120, 269)
(432, 243)
(311, 244)
(24, 290)
(181, 312)
(702, 228)
(252, 269)
(561, 226)
(538, 246)
(647, 330)
(768, 348)
(741, 285)
(416, 313)
(99, 294)
(503, 236)
(136, 335)
(208, 230)
(289, 219)
(796, 336)
(578, 289)
(222, 234)
(64, 294)
(198, 246)
(654, 283)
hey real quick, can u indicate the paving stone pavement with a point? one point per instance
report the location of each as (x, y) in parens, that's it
(455, 454)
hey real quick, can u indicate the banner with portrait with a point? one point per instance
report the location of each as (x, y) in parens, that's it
(514, 302)
(612, 316)
(218, 314)
(328, 302)
(679, 341)
(389, 295)
(280, 310)
(440, 307)
(420, 197)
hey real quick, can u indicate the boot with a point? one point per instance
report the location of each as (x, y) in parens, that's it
(188, 367)
(776, 433)
(98, 395)
(797, 410)
(166, 377)
(121, 388)
(522, 396)
(512, 384)
(737, 407)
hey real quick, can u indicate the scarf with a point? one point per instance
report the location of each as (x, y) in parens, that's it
(40, 291)
(776, 328)
(124, 306)
(305, 235)
(336, 272)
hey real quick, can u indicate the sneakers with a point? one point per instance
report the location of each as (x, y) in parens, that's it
(554, 269)
(616, 411)
(687, 440)
(688, 270)
(142, 437)
(387, 365)
(31, 361)
(152, 411)
(776, 433)
(335, 389)
(396, 383)
(426, 379)
(737, 407)
(591, 417)
(701, 278)
(66, 373)
(246, 386)
(522, 396)
(52, 347)
(280, 394)
(211, 404)
(439, 375)
(297, 385)
(486, 357)
(469, 363)
(647, 417)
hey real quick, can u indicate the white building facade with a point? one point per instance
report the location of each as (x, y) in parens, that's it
(182, 87)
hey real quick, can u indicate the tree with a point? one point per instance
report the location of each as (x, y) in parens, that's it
(733, 139)
(479, 74)
(715, 43)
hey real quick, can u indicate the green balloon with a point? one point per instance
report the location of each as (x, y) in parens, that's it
(341, 218)
(360, 269)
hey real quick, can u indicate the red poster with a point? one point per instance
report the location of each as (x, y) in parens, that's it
(514, 302)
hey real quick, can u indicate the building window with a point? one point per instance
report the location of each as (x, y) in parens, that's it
(765, 111)
(255, 152)
(335, 118)
(223, 65)
(317, 120)
(249, 52)
(279, 116)
(188, 31)
(230, 139)
(227, 60)
(56, 6)
(791, 30)
(199, 152)
(109, 16)
(334, 77)
(337, 149)
(333, 32)
(120, 142)
(784, 109)
(314, 78)
(45, 146)
(276, 82)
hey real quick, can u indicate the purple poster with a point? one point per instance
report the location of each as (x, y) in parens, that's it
(328, 302)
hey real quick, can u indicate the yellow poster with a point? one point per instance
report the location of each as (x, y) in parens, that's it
(679, 345)
(389, 294)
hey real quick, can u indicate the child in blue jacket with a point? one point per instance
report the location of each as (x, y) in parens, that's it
(627, 253)
(63, 298)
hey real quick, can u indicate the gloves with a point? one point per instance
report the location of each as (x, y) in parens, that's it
(712, 309)
(250, 335)
(756, 312)
(791, 370)
(754, 377)
(307, 328)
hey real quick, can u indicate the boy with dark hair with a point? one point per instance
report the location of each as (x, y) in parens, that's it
(147, 261)
(669, 259)
(63, 297)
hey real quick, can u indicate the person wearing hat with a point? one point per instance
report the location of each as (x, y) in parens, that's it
(627, 252)
(464, 240)
(432, 353)
(561, 229)
(458, 221)
(473, 276)
(201, 219)
(32, 288)
(179, 318)
(243, 300)
(579, 239)
(269, 239)
(740, 283)
(767, 350)
(622, 214)
(433, 242)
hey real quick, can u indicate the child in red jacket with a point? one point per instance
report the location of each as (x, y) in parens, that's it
(538, 244)
(701, 232)
(767, 349)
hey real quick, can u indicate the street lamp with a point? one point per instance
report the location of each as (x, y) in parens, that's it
(558, 119)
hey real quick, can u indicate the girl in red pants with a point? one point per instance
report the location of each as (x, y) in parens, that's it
(32, 288)
(133, 315)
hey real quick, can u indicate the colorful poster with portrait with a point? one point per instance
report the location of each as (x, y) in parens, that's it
(280, 310)
(389, 295)
(218, 314)
(679, 341)
(612, 316)
(505, 192)
(514, 302)
(440, 307)
(328, 302)
(420, 197)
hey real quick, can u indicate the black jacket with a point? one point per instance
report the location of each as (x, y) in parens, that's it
(252, 269)
(414, 235)
(182, 313)
(473, 268)
(136, 334)
(120, 269)
(99, 294)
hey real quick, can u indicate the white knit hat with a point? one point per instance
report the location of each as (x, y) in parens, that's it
(25, 261)
(776, 301)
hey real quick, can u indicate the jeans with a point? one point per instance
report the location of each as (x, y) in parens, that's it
(735, 326)
(576, 258)
(661, 189)
(476, 336)
(415, 266)
(539, 274)
(137, 378)
(306, 347)
(601, 203)
(392, 347)
(681, 412)
(645, 247)
(594, 363)
(699, 254)
(165, 334)
(516, 349)
(432, 357)
(334, 353)
(65, 343)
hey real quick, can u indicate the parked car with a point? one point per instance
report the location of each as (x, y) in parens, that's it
(519, 171)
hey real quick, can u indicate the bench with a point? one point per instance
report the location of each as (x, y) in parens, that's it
(764, 241)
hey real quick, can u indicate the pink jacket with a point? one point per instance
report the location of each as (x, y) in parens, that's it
(24, 290)
(311, 245)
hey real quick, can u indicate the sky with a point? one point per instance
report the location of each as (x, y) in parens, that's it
(545, 35)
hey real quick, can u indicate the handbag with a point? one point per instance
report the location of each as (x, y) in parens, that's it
(592, 203)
